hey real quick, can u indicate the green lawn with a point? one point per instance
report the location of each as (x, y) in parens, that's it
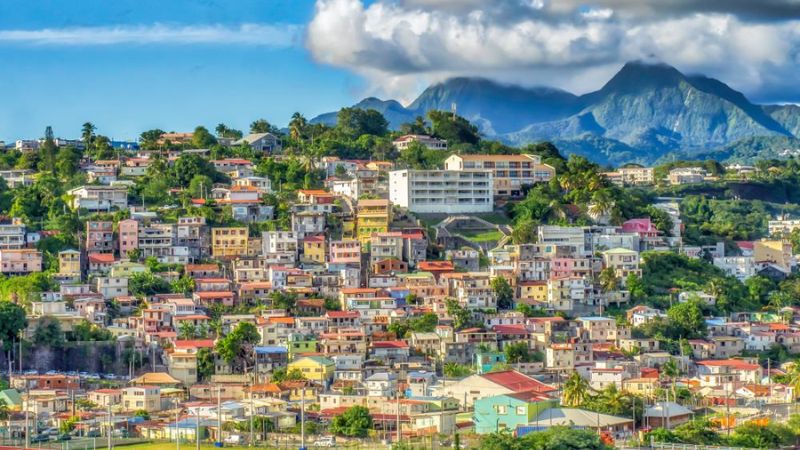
(496, 218)
(482, 236)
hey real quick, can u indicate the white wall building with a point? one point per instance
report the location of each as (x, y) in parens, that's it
(442, 191)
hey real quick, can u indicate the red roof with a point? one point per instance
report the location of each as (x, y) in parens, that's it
(342, 314)
(101, 258)
(732, 363)
(517, 382)
(430, 266)
(389, 344)
(195, 343)
(510, 329)
(214, 294)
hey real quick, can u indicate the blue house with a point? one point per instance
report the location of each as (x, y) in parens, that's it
(484, 361)
(507, 411)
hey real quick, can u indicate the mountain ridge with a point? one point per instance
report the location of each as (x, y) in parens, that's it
(646, 109)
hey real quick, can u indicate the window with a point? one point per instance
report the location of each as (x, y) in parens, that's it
(501, 409)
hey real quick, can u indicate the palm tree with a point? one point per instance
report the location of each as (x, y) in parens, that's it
(221, 130)
(576, 390)
(608, 279)
(671, 371)
(297, 126)
(87, 133)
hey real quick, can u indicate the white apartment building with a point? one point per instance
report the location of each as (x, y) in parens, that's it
(631, 176)
(12, 236)
(98, 198)
(279, 245)
(442, 191)
(782, 226)
(509, 172)
(430, 142)
(574, 237)
(741, 267)
(687, 175)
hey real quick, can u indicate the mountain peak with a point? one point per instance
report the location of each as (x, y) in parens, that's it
(637, 75)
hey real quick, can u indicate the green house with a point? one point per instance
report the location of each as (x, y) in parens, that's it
(507, 411)
(301, 343)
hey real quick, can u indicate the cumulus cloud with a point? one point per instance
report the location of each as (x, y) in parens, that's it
(248, 34)
(400, 44)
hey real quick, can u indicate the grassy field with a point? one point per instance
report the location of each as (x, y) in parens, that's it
(482, 236)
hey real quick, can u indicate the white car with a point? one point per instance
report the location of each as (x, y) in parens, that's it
(325, 441)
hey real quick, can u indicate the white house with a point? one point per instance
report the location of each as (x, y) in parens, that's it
(442, 191)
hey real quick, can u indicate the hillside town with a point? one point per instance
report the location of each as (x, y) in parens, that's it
(237, 289)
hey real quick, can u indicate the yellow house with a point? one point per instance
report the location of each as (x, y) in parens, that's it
(229, 241)
(533, 292)
(314, 249)
(69, 262)
(645, 387)
(374, 216)
(775, 251)
(314, 368)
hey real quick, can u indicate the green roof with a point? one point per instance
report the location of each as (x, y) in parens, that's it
(317, 359)
(11, 397)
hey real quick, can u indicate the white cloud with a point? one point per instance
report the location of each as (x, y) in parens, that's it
(246, 34)
(399, 45)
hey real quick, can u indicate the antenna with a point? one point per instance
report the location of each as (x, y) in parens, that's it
(453, 109)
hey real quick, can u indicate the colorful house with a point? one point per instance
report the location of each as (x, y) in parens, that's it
(314, 368)
(507, 411)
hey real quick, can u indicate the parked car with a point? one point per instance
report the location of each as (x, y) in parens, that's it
(93, 433)
(233, 439)
(40, 438)
(325, 441)
(64, 437)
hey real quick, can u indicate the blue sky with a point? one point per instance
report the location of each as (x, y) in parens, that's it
(129, 86)
(132, 65)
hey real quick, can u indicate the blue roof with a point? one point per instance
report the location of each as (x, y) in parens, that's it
(271, 349)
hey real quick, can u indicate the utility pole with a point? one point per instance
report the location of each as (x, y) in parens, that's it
(27, 408)
(197, 428)
(303, 419)
(177, 428)
(219, 415)
(110, 426)
(398, 416)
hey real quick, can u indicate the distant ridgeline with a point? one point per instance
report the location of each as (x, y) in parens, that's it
(645, 113)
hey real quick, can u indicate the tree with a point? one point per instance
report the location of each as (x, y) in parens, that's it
(187, 167)
(455, 370)
(87, 134)
(183, 285)
(461, 316)
(262, 126)
(453, 128)
(202, 138)
(283, 300)
(234, 348)
(554, 438)
(686, 320)
(48, 332)
(355, 122)
(200, 186)
(608, 279)
(149, 138)
(576, 390)
(67, 162)
(671, 371)
(416, 127)
(297, 126)
(354, 422)
(147, 284)
(517, 352)
(504, 292)
(47, 151)
(187, 330)
(12, 321)
(205, 363)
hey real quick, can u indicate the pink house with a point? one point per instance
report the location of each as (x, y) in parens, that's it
(128, 236)
(643, 227)
(569, 267)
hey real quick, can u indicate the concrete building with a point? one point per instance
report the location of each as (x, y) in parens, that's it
(437, 191)
(509, 172)
(128, 236)
(373, 216)
(229, 241)
(20, 261)
(98, 198)
(430, 142)
(99, 236)
(631, 176)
